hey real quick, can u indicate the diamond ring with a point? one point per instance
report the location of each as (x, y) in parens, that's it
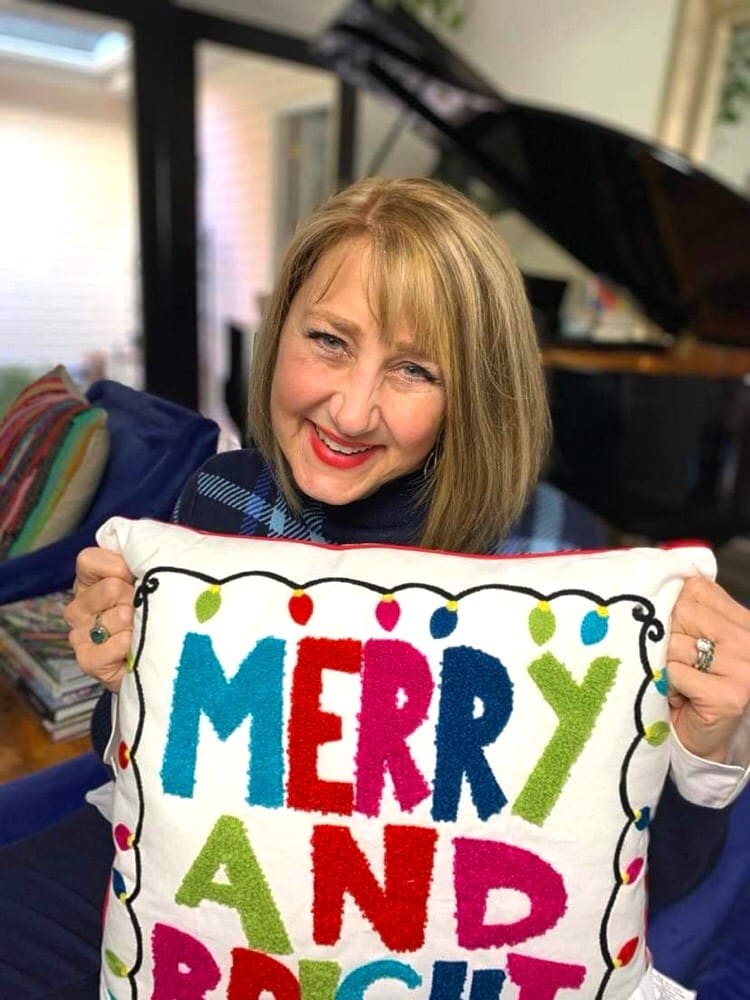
(706, 650)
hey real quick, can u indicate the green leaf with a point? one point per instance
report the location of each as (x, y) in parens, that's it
(542, 623)
(208, 603)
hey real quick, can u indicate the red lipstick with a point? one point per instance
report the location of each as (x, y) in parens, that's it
(337, 459)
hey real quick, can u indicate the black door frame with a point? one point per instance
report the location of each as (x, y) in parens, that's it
(164, 42)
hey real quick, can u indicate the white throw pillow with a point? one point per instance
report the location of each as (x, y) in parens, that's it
(378, 772)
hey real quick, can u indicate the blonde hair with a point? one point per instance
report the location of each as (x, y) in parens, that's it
(437, 262)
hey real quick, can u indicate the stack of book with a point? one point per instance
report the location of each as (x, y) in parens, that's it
(36, 659)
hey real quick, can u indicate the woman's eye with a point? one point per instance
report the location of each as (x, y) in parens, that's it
(327, 340)
(418, 373)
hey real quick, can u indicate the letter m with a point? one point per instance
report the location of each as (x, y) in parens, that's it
(201, 688)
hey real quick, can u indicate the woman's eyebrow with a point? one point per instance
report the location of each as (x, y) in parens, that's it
(339, 322)
(408, 347)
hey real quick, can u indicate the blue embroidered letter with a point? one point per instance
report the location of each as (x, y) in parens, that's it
(468, 674)
(201, 687)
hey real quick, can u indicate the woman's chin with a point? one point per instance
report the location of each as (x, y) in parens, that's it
(338, 496)
(337, 488)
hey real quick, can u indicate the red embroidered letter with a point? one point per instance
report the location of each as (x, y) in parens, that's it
(397, 912)
(254, 974)
(309, 726)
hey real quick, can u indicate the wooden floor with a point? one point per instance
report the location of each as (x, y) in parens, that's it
(25, 745)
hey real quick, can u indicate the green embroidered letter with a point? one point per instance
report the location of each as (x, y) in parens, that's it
(577, 707)
(245, 890)
(318, 980)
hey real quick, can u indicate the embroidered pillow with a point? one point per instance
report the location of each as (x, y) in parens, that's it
(380, 772)
(53, 450)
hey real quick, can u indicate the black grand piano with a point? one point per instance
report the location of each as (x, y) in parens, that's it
(658, 449)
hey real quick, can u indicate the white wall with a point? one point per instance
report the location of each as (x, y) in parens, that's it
(600, 58)
(68, 253)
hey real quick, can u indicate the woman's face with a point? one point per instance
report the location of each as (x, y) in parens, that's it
(349, 412)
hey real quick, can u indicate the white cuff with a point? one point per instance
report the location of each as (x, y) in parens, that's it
(706, 782)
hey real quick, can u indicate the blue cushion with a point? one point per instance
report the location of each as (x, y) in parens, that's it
(32, 803)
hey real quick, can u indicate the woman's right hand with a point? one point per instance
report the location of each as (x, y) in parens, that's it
(103, 586)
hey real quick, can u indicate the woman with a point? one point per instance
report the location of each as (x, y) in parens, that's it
(398, 397)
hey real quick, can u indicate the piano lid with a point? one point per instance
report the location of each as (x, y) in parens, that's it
(644, 217)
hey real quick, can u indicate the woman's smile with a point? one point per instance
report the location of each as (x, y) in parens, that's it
(333, 451)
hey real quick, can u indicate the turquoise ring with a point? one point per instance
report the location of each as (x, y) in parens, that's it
(99, 633)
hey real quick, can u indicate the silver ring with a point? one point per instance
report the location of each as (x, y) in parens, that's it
(98, 633)
(706, 649)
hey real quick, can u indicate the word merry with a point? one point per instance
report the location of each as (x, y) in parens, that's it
(397, 687)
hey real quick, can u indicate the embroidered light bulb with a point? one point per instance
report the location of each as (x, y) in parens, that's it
(642, 818)
(595, 626)
(542, 623)
(208, 603)
(123, 837)
(625, 954)
(116, 964)
(632, 872)
(444, 620)
(661, 681)
(118, 885)
(300, 607)
(388, 612)
(656, 733)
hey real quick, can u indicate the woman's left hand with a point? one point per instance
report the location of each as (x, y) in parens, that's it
(707, 706)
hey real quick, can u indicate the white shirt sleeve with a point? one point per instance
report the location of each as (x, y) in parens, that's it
(707, 783)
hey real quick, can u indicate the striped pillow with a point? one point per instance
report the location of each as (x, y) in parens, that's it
(53, 450)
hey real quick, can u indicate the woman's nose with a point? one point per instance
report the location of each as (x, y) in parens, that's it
(355, 407)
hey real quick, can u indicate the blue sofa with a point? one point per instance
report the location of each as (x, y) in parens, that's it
(703, 940)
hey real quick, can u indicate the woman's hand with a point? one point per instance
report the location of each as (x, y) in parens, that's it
(104, 587)
(707, 706)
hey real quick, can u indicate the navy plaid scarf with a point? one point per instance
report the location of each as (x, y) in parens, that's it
(236, 493)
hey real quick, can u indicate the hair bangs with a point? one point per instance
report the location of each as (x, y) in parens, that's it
(404, 287)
